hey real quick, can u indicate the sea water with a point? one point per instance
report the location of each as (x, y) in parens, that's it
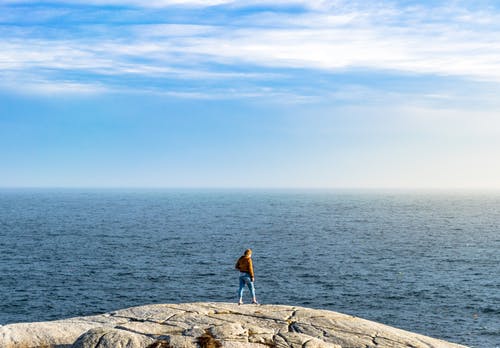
(424, 262)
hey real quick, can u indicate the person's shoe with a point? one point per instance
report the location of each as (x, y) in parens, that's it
(240, 302)
(255, 302)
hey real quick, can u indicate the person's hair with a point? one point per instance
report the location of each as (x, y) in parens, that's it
(248, 252)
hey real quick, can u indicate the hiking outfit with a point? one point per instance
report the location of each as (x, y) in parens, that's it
(245, 266)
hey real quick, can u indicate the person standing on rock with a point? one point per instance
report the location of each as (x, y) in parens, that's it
(245, 266)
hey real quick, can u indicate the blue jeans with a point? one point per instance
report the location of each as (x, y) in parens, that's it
(246, 280)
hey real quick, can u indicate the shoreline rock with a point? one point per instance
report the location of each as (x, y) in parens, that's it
(214, 325)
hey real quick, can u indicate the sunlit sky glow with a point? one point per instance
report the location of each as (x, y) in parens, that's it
(221, 93)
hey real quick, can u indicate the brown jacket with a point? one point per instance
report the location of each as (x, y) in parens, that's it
(244, 264)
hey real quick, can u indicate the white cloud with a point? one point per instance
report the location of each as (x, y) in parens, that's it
(37, 86)
(458, 54)
(138, 3)
(332, 36)
(313, 4)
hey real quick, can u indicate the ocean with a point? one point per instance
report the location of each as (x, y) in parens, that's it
(424, 262)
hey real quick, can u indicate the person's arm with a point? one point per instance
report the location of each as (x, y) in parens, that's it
(250, 269)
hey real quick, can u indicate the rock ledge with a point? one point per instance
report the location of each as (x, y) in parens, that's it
(214, 325)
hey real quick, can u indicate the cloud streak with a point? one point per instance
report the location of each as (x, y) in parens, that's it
(313, 4)
(323, 36)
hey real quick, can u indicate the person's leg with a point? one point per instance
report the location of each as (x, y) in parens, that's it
(251, 287)
(240, 291)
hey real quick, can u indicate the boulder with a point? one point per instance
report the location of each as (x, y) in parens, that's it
(214, 325)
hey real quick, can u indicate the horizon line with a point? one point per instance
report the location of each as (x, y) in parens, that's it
(256, 188)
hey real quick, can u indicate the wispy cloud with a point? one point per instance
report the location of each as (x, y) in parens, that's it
(138, 3)
(323, 36)
(315, 4)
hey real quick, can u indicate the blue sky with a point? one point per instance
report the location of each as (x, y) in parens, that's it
(272, 94)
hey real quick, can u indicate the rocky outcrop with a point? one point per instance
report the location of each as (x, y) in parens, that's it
(214, 325)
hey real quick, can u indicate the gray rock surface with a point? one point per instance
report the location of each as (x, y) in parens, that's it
(214, 325)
